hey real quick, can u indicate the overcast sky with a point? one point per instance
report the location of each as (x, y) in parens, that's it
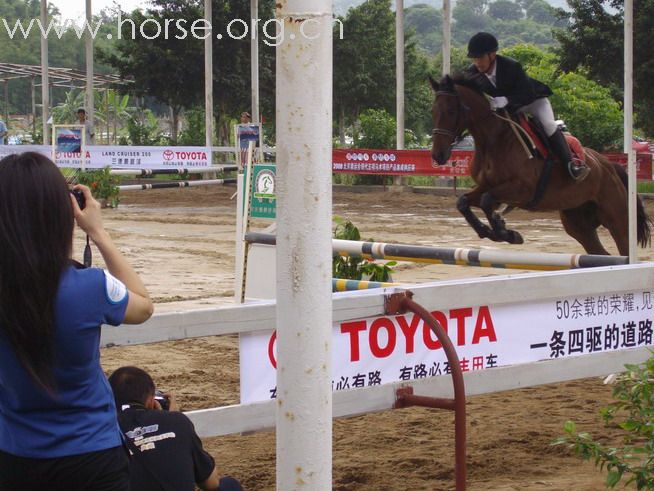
(75, 9)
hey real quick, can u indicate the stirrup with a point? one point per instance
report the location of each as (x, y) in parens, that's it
(578, 170)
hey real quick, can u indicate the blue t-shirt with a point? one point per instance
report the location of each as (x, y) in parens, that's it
(81, 415)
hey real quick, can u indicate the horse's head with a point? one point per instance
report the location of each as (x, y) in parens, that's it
(448, 117)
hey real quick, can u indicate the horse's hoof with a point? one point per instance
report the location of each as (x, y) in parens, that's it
(515, 237)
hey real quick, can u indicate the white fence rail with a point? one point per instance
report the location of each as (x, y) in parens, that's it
(370, 303)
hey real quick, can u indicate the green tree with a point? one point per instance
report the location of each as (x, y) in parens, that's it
(542, 12)
(588, 110)
(66, 111)
(65, 47)
(505, 10)
(427, 24)
(510, 21)
(167, 68)
(586, 107)
(417, 95)
(470, 16)
(377, 129)
(114, 111)
(364, 61)
(364, 66)
(143, 129)
(593, 42)
(171, 69)
(231, 64)
(194, 133)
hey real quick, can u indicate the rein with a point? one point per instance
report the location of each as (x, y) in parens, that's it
(456, 138)
(517, 127)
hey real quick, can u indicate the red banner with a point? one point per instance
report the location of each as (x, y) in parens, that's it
(399, 162)
(419, 163)
(643, 163)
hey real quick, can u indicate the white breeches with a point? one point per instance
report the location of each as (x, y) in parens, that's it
(542, 110)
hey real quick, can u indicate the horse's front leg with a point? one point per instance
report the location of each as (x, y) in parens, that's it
(489, 204)
(463, 205)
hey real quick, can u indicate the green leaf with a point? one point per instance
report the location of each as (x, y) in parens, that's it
(570, 427)
(612, 479)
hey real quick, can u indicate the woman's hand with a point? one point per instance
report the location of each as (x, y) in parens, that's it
(90, 218)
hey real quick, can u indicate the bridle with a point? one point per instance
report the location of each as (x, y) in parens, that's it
(456, 138)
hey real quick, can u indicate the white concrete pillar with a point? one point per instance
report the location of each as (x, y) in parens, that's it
(399, 72)
(629, 124)
(447, 36)
(208, 82)
(45, 80)
(304, 206)
(254, 60)
(88, 43)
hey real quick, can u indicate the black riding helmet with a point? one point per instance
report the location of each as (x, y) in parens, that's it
(480, 44)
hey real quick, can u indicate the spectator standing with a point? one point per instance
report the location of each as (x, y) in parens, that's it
(58, 421)
(88, 126)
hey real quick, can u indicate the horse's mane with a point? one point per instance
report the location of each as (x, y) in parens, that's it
(448, 82)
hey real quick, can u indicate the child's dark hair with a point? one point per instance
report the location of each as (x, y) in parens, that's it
(130, 385)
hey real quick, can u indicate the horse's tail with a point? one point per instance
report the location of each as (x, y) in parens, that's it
(644, 223)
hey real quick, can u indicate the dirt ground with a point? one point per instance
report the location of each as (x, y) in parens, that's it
(182, 243)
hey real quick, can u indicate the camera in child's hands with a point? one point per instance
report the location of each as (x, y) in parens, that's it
(162, 399)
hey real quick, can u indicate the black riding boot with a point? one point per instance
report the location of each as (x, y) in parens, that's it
(577, 168)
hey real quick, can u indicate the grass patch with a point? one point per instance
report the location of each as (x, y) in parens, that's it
(646, 187)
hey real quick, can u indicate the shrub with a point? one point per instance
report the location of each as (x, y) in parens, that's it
(632, 412)
(102, 184)
(356, 267)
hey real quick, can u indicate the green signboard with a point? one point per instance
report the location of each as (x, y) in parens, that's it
(263, 202)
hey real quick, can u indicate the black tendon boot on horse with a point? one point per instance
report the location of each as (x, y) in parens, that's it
(577, 168)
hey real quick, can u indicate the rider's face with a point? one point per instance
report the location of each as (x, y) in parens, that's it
(484, 63)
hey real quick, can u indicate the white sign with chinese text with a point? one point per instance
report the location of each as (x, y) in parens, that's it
(389, 349)
(122, 157)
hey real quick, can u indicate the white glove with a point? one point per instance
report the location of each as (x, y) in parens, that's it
(498, 102)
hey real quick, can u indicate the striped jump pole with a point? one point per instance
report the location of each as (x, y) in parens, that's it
(174, 184)
(172, 170)
(542, 261)
(344, 285)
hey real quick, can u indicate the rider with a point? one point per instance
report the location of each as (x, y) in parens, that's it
(505, 80)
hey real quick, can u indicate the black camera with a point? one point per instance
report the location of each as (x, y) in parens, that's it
(79, 196)
(162, 399)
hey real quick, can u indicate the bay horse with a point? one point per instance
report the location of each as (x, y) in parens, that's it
(505, 174)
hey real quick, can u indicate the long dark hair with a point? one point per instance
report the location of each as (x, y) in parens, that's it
(36, 233)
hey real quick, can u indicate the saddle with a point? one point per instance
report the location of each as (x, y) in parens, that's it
(537, 142)
(539, 145)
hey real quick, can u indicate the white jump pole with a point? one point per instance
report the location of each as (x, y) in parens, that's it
(304, 310)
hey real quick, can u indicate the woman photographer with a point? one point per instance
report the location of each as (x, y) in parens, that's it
(58, 427)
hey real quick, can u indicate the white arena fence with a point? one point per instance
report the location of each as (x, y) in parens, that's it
(532, 287)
